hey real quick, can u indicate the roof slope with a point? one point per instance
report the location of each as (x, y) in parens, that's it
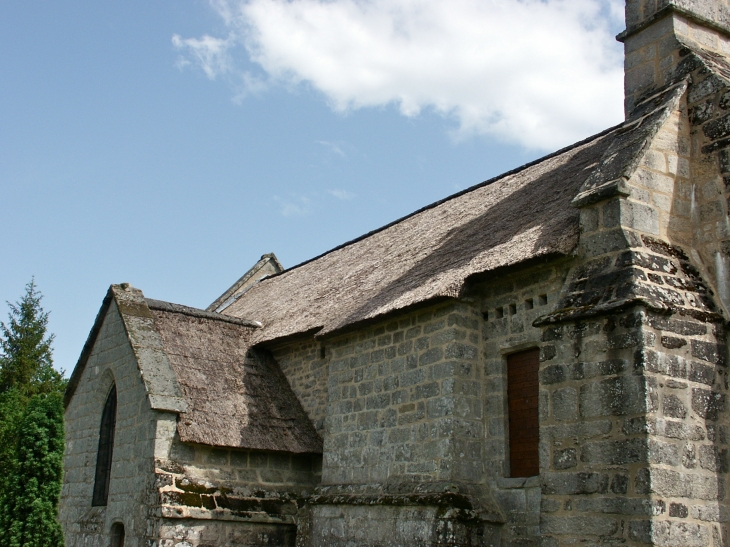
(199, 364)
(521, 215)
(526, 213)
(237, 397)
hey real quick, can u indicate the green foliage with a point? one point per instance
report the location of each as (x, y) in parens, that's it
(31, 427)
(29, 504)
(26, 362)
(12, 405)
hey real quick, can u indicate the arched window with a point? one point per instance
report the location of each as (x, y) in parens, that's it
(106, 447)
(117, 535)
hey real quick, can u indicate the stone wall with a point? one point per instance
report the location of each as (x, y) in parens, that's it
(388, 526)
(417, 412)
(305, 365)
(213, 496)
(510, 303)
(404, 400)
(709, 118)
(684, 176)
(640, 456)
(403, 438)
(653, 54)
(131, 494)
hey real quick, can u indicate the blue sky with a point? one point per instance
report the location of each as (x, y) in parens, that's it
(171, 143)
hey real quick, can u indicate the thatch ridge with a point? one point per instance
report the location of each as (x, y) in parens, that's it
(520, 215)
(452, 196)
(197, 312)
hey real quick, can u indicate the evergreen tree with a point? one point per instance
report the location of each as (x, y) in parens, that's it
(31, 427)
(12, 405)
(26, 362)
(29, 504)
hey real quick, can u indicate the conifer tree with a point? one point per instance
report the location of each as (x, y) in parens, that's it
(29, 504)
(26, 362)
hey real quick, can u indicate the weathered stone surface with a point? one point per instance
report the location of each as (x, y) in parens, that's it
(673, 407)
(613, 397)
(713, 353)
(579, 526)
(565, 404)
(708, 404)
(574, 483)
(670, 483)
(565, 459)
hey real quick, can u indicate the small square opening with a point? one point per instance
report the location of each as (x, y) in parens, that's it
(485, 315)
(499, 313)
(512, 309)
(542, 299)
(529, 304)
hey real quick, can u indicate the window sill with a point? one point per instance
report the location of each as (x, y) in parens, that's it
(518, 482)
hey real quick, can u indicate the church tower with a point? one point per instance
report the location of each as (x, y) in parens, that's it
(657, 35)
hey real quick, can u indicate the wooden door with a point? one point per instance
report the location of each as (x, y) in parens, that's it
(522, 401)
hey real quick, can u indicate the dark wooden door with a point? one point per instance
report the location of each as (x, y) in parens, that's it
(522, 398)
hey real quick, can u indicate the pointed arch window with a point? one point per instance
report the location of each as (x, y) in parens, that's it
(105, 450)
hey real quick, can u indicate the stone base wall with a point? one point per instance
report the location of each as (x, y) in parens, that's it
(389, 526)
(212, 496)
(226, 533)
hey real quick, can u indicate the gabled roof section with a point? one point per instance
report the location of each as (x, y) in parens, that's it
(237, 396)
(200, 364)
(159, 379)
(521, 215)
(266, 266)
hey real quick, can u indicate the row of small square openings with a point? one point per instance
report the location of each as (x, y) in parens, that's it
(511, 309)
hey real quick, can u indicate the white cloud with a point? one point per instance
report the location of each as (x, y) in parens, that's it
(542, 73)
(342, 194)
(208, 53)
(294, 205)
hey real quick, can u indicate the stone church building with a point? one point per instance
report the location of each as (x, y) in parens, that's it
(541, 359)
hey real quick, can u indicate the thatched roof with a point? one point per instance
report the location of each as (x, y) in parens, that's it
(200, 364)
(521, 215)
(237, 397)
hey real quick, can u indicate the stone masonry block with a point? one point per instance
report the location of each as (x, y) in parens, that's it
(579, 526)
(613, 397)
(574, 483)
(565, 404)
(708, 404)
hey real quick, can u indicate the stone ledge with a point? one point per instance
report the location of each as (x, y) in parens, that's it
(195, 513)
(517, 482)
(671, 8)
